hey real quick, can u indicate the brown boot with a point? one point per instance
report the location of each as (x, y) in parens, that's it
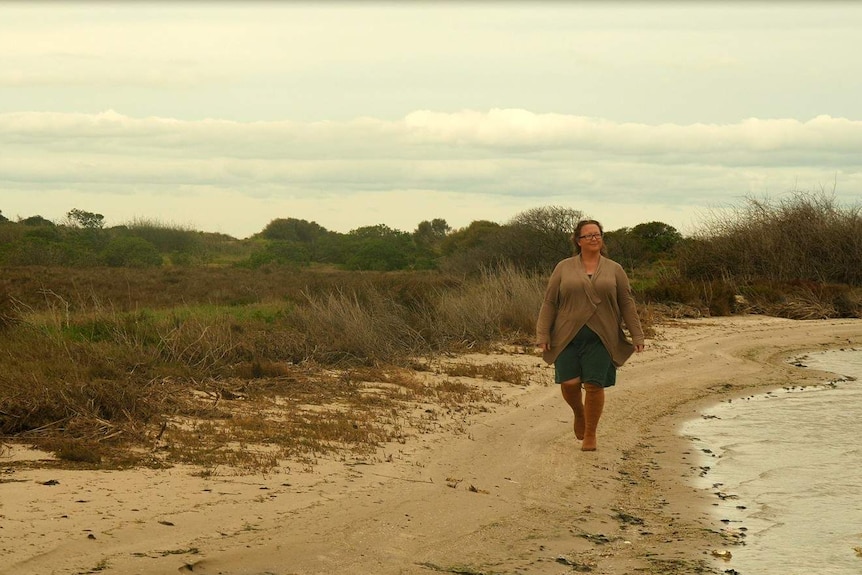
(573, 396)
(594, 403)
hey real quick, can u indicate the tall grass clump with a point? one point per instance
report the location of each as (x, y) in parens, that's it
(51, 386)
(806, 236)
(798, 257)
(363, 327)
(8, 313)
(501, 303)
(165, 237)
(690, 297)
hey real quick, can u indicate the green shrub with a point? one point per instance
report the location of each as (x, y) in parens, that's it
(280, 252)
(166, 238)
(131, 252)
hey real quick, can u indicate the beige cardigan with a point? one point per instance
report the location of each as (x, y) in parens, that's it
(573, 300)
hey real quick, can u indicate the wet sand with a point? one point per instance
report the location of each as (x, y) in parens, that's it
(509, 492)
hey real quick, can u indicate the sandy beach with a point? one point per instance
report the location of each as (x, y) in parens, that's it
(506, 491)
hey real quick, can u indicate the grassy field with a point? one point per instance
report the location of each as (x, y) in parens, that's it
(111, 367)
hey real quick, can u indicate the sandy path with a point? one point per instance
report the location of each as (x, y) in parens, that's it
(511, 495)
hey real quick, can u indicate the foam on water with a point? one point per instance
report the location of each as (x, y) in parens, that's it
(786, 469)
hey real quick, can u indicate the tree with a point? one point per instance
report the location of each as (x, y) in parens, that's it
(379, 248)
(550, 228)
(429, 235)
(377, 231)
(37, 221)
(35, 249)
(471, 249)
(642, 244)
(3, 219)
(623, 247)
(331, 248)
(293, 230)
(82, 219)
(473, 236)
(658, 238)
(541, 237)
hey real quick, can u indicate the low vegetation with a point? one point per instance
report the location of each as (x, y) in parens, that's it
(145, 345)
(297, 363)
(798, 257)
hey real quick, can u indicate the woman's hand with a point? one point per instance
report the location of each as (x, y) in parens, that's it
(639, 348)
(543, 346)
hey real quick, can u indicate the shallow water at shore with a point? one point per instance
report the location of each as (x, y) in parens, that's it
(785, 470)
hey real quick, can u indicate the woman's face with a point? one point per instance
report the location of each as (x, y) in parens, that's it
(590, 239)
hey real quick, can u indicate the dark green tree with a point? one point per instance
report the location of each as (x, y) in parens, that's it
(643, 244)
(293, 230)
(429, 235)
(304, 232)
(471, 249)
(83, 219)
(379, 248)
(658, 238)
(37, 221)
(476, 235)
(331, 248)
(167, 239)
(624, 248)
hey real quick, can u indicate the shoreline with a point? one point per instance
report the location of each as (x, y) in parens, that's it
(511, 494)
(765, 363)
(770, 479)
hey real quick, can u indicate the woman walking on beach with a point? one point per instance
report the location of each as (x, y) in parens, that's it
(580, 331)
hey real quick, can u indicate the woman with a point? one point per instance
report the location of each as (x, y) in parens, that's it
(579, 328)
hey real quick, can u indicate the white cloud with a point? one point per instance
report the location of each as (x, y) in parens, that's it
(467, 133)
(467, 165)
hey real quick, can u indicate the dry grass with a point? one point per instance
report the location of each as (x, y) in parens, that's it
(258, 425)
(501, 303)
(246, 369)
(672, 296)
(804, 236)
(130, 289)
(496, 371)
(114, 378)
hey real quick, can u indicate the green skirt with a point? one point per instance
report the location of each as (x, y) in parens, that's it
(586, 357)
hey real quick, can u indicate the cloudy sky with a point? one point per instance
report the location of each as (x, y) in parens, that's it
(223, 116)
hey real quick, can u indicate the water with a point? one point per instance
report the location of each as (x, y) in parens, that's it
(786, 468)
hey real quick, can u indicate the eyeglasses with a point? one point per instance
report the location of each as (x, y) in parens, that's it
(590, 237)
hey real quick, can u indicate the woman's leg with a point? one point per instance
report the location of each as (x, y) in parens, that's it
(572, 394)
(594, 403)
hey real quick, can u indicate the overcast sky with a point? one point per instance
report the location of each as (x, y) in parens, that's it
(223, 116)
